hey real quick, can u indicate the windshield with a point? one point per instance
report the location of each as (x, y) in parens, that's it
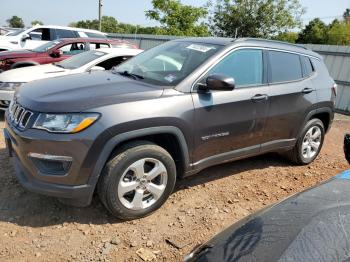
(45, 47)
(17, 32)
(167, 64)
(80, 59)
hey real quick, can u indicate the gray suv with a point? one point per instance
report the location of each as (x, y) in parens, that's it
(130, 133)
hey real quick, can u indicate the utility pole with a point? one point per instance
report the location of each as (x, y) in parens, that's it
(100, 14)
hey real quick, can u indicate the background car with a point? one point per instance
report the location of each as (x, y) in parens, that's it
(93, 60)
(57, 50)
(313, 225)
(38, 35)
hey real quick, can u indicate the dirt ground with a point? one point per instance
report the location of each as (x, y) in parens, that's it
(34, 227)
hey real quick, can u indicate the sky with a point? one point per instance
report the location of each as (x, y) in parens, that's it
(62, 12)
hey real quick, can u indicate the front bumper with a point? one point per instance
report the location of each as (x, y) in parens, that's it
(73, 187)
(5, 99)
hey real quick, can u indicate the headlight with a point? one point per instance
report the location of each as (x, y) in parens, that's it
(65, 123)
(9, 86)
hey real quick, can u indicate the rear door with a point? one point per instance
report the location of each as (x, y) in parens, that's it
(232, 121)
(291, 95)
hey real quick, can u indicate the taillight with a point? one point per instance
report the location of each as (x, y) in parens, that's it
(334, 89)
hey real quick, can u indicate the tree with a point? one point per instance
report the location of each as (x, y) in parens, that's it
(314, 33)
(290, 37)
(15, 22)
(346, 15)
(36, 22)
(111, 25)
(178, 19)
(338, 33)
(254, 18)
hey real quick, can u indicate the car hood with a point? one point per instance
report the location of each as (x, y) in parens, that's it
(80, 92)
(308, 226)
(27, 74)
(17, 54)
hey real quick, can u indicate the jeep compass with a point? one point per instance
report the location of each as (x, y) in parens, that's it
(130, 133)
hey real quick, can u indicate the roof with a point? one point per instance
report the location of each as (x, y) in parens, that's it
(258, 42)
(89, 39)
(70, 28)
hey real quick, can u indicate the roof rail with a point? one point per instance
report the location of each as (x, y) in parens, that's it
(270, 41)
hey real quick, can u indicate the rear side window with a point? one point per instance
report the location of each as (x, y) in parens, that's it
(284, 67)
(94, 46)
(245, 66)
(308, 67)
(95, 35)
(60, 33)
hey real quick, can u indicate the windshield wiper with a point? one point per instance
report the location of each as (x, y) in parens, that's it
(128, 74)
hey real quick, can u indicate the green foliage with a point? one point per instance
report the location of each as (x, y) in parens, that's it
(111, 25)
(315, 33)
(15, 22)
(338, 33)
(254, 18)
(290, 37)
(36, 22)
(178, 19)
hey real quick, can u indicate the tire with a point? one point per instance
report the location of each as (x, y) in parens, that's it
(301, 154)
(123, 172)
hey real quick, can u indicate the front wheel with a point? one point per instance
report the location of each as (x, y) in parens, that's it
(309, 143)
(137, 181)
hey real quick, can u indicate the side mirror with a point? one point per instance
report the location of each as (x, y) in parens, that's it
(25, 37)
(347, 147)
(97, 68)
(56, 53)
(218, 82)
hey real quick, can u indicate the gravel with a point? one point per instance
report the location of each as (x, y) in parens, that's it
(34, 227)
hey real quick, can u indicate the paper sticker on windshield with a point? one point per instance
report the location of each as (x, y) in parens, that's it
(170, 78)
(200, 48)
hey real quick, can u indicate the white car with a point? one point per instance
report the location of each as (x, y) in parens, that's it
(38, 35)
(94, 60)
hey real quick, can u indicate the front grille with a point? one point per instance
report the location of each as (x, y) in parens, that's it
(19, 115)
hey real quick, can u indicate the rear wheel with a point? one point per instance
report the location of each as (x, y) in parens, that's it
(309, 144)
(137, 181)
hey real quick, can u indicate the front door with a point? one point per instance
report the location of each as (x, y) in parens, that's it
(231, 123)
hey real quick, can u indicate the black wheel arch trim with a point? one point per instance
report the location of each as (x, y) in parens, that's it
(120, 138)
(316, 111)
(28, 63)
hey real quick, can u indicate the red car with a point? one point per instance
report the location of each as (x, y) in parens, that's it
(56, 51)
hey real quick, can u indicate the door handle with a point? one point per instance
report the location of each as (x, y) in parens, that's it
(259, 97)
(307, 90)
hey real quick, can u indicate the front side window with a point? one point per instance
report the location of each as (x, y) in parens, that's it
(73, 49)
(284, 67)
(168, 64)
(40, 34)
(245, 66)
(80, 59)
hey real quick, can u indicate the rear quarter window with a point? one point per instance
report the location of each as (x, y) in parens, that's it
(308, 67)
(284, 67)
